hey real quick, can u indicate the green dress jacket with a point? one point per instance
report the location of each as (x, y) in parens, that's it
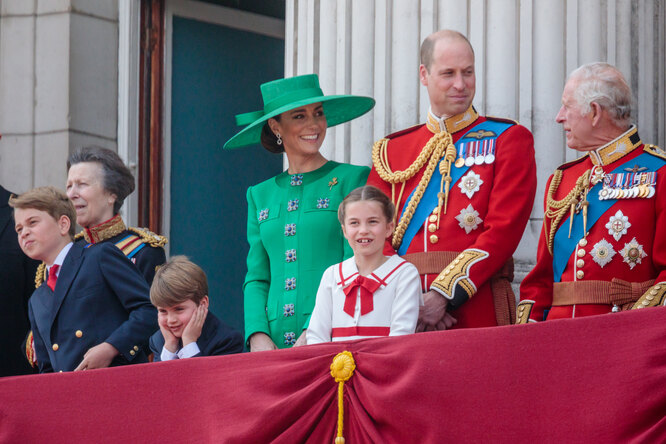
(294, 235)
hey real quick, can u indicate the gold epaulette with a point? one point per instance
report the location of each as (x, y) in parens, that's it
(148, 237)
(654, 150)
(40, 275)
(78, 236)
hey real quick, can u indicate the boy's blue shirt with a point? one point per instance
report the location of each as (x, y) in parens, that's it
(217, 338)
(100, 296)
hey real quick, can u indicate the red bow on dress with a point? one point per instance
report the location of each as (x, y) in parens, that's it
(368, 287)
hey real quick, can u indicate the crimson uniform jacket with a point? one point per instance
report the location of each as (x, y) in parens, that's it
(487, 211)
(623, 254)
(99, 297)
(217, 338)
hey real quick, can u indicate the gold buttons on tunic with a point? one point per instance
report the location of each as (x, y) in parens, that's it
(136, 348)
(582, 242)
(580, 274)
(432, 218)
(432, 228)
(434, 239)
(55, 347)
(436, 210)
(132, 352)
(580, 263)
(78, 333)
(581, 253)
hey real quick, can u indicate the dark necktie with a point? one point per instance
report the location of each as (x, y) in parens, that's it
(53, 277)
(368, 287)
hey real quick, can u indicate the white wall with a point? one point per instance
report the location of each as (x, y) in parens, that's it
(524, 51)
(58, 85)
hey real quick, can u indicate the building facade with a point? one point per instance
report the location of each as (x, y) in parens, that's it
(74, 72)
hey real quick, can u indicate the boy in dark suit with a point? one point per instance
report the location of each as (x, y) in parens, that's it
(93, 310)
(187, 328)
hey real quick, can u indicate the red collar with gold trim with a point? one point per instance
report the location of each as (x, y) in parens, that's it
(105, 230)
(452, 124)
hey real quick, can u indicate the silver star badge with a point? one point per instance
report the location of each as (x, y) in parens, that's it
(469, 219)
(617, 225)
(602, 252)
(470, 183)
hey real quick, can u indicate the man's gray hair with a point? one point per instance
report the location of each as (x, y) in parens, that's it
(605, 85)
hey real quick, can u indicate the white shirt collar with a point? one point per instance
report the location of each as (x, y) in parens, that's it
(60, 258)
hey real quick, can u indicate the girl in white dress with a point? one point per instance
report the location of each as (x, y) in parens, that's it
(368, 295)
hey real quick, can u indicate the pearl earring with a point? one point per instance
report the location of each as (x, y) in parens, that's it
(279, 139)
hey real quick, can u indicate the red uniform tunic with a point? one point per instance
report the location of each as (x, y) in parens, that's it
(486, 213)
(623, 254)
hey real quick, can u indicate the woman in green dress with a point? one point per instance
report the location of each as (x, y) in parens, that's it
(292, 224)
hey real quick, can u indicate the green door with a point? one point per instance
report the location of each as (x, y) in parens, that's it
(216, 73)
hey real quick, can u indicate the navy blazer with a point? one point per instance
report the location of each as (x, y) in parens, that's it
(100, 296)
(17, 282)
(217, 338)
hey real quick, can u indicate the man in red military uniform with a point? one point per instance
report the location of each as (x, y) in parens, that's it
(600, 249)
(463, 186)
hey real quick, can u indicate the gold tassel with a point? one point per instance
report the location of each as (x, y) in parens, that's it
(342, 369)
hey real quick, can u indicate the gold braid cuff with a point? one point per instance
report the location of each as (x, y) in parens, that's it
(457, 273)
(431, 153)
(523, 311)
(654, 296)
(557, 209)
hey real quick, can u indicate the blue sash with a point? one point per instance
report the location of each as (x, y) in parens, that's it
(563, 246)
(429, 199)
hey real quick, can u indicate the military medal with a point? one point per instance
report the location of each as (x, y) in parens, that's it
(460, 161)
(478, 158)
(470, 183)
(602, 252)
(469, 219)
(489, 151)
(633, 253)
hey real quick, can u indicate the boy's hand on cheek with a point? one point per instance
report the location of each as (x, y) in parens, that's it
(170, 341)
(193, 328)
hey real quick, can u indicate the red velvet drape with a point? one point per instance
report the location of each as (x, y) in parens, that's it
(597, 379)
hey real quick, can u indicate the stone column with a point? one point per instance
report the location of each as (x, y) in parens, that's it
(58, 85)
(524, 52)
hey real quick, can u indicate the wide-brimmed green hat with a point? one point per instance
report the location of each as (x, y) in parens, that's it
(287, 94)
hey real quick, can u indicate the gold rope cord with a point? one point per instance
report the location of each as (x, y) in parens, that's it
(431, 153)
(557, 209)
